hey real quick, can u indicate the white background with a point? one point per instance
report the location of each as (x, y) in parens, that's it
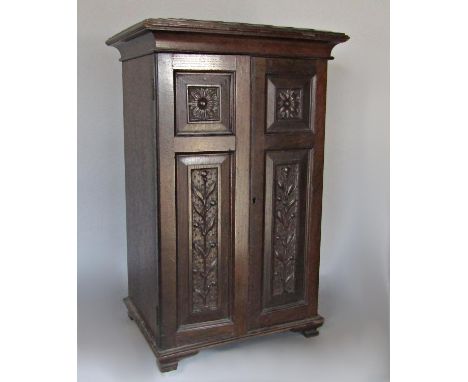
(38, 195)
(353, 344)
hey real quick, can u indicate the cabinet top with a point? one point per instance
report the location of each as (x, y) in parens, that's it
(226, 28)
(191, 30)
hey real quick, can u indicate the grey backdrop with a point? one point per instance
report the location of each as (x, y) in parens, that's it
(354, 284)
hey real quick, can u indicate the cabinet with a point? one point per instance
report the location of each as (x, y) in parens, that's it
(224, 146)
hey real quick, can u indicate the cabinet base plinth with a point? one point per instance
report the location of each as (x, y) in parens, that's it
(166, 362)
(168, 359)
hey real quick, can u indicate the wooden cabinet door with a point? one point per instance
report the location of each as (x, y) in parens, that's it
(203, 140)
(288, 102)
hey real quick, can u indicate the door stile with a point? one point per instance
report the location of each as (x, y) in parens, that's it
(242, 194)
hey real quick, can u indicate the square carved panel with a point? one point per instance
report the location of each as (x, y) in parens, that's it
(289, 104)
(290, 100)
(204, 103)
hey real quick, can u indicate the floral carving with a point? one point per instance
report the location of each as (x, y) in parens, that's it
(285, 228)
(289, 103)
(204, 238)
(203, 103)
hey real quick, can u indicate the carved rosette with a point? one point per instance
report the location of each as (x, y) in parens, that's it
(204, 239)
(285, 228)
(288, 104)
(203, 103)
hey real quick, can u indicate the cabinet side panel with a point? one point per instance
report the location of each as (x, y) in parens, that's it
(140, 185)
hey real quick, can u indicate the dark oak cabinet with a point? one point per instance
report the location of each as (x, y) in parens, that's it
(224, 137)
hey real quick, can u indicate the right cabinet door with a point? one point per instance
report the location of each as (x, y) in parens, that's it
(288, 109)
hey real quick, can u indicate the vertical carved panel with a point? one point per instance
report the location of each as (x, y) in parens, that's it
(204, 238)
(285, 228)
(204, 231)
(286, 193)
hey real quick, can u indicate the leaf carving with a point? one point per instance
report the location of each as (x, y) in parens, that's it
(285, 228)
(204, 201)
(197, 192)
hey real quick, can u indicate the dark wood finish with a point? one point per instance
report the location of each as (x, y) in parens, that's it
(204, 233)
(241, 205)
(225, 28)
(173, 319)
(196, 36)
(290, 102)
(254, 46)
(284, 260)
(311, 329)
(204, 103)
(167, 361)
(141, 188)
(167, 214)
(224, 163)
(284, 280)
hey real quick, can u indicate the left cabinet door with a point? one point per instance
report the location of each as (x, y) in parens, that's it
(203, 156)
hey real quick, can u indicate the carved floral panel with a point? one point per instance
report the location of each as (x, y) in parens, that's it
(285, 228)
(289, 104)
(204, 190)
(204, 233)
(203, 103)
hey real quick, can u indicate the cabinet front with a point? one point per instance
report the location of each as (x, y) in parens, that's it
(240, 193)
(286, 186)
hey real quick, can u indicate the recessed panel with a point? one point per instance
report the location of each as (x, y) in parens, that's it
(204, 103)
(289, 103)
(284, 239)
(204, 237)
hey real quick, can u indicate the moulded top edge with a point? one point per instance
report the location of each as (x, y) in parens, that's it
(226, 28)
